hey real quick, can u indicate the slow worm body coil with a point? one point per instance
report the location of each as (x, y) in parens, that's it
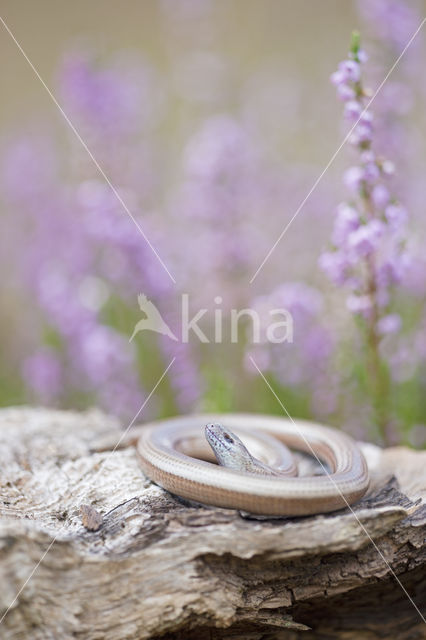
(166, 449)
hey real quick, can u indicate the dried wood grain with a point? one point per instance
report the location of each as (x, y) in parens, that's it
(131, 561)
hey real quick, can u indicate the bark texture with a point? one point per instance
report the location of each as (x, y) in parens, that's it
(126, 560)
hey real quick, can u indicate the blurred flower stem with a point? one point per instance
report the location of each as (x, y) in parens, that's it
(378, 374)
(368, 254)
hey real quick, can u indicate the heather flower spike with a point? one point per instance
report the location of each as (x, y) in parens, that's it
(368, 253)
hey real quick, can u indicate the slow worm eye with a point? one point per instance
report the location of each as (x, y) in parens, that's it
(228, 438)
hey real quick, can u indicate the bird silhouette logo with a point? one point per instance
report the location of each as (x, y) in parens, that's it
(153, 320)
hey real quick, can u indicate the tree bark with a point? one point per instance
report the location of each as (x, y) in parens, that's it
(125, 559)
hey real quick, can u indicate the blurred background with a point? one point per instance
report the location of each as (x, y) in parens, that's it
(212, 120)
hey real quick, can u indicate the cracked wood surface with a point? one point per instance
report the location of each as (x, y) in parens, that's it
(131, 561)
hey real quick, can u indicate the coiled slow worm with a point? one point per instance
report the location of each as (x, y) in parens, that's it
(165, 450)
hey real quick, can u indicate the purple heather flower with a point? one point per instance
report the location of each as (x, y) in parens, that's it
(42, 372)
(364, 240)
(368, 156)
(390, 25)
(307, 360)
(380, 196)
(383, 298)
(371, 172)
(111, 99)
(392, 270)
(366, 117)
(297, 297)
(413, 278)
(223, 192)
(392, 20)
(220, 147)
(260, 355)
(122, 396)
(347, 220)
(345, 93)
(353, 178)
(338, 78)
(335, 265)
(28, 170)
(389, 324)
(362, 56)
(396, 215)
(350, 71)
(102, 352)
(359, 304)
(184, 374)
(362, 133)
(353, 110)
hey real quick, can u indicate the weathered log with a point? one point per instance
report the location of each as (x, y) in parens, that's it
(125, 559)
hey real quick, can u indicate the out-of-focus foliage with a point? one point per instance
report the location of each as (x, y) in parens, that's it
(195, 159)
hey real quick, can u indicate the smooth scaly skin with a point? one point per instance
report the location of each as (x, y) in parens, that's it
(165, 449)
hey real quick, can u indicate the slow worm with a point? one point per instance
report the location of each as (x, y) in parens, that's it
(166, 449)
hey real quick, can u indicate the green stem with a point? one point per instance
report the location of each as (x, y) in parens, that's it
(379, 382)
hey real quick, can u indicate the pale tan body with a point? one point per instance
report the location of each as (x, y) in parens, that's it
(165, 449)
